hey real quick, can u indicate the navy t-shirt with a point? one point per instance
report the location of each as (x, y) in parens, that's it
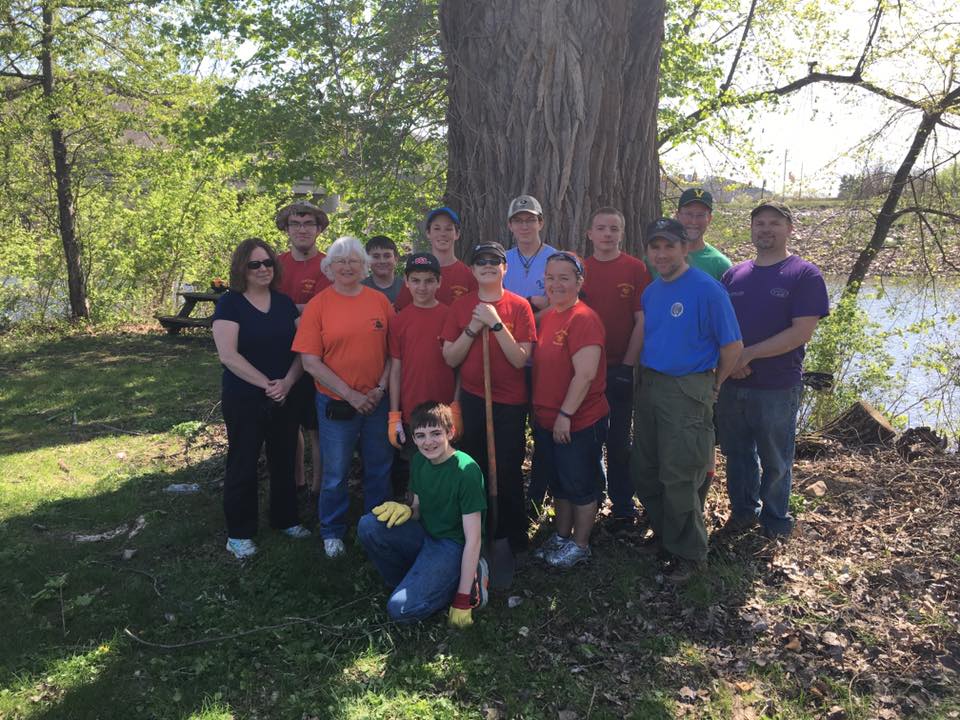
(263, 339)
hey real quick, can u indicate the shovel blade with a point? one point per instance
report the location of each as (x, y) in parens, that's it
(502, 564)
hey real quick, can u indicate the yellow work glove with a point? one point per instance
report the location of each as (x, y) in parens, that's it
(393, 513)
(395, 428)
(457, 420)
(459, 618)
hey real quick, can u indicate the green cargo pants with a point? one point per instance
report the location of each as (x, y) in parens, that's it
(672, 442)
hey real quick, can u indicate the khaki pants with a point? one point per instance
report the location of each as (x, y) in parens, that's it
(673, 440)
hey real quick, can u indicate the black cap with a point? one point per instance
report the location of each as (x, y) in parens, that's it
(667, 228)
(422, 261)
(489, 248)
(692, 195)
(449, 212)
(776, 207)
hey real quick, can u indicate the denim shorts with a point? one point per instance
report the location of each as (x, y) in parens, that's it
(570, 469)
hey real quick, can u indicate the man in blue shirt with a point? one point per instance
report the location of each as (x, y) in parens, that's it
(527, 259)
(691, 343)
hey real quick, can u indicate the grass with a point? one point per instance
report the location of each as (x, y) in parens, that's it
(95, 427)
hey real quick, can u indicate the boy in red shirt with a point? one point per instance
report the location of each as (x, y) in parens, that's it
(456, 279)
(418, 372)
(613, 284)
(301, 279)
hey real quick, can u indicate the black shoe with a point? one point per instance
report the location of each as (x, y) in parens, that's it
(622, 525)
(679, 570)
(736, 525)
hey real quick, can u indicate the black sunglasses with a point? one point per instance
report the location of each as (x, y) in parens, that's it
(488, 261)
(255, 264)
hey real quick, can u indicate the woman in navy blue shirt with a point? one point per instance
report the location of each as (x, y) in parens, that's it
(253, 328)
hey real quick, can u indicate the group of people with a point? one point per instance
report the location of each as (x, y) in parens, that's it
(435, 375)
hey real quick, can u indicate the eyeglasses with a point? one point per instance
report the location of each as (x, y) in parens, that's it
(480, 262)
(255, 264)
(525, 221)
(347, 261)
(309, 225)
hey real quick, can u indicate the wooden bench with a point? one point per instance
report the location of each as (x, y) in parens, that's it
(175, 323)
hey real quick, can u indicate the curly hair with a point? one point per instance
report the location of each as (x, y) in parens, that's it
(240, 258)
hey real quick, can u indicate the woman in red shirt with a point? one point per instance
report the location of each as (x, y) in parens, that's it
(570, 409)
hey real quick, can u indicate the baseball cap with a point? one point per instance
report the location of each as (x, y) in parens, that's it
(776, 207)
(667, 228)
(692, 195)
(452, 214)
(489, 248)
(422, 261)
(524, 203)
(301, 207)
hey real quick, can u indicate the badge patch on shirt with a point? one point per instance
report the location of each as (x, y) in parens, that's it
(377, 324)
(780, 292)
(457, 290)
(676, 309)
(626, 290)
(560, 337)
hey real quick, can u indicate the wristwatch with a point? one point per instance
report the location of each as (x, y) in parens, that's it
(497, 328)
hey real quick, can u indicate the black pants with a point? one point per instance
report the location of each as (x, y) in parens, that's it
(509, 431)
(251, 422)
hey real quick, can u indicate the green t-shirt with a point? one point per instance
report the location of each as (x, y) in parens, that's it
(447, 492)
(713, 262)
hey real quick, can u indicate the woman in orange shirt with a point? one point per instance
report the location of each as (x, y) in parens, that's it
(342, 340)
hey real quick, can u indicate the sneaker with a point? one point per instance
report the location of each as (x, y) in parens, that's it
(297, 532)
(334, 547)
(478, 590)
(242, 548)
(569, 555)
(553, 543)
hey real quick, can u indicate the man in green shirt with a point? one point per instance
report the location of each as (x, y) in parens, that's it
(433, 560)
(695, 211)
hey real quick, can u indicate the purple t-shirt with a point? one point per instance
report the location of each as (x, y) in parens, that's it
(766, 300)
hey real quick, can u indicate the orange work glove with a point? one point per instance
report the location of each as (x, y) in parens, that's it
(395, 429)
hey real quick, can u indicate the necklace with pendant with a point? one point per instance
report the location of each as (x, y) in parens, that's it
(527, 263)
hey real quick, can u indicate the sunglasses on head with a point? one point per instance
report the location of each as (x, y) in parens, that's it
(568, 257)
(488, 261)
(255, 264)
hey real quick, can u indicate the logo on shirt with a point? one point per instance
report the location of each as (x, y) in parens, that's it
(780, 292)
(676, 309)
(457, 290)
(626, 290)
(560, 337)
(377, 323)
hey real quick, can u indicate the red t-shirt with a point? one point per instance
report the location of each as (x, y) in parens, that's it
(302, 279)
(414, 338)
(612, 288)
(507, 382)
(562, 335)
(456, 280)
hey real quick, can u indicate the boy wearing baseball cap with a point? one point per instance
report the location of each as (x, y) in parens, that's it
(527, 259)
(443, 231)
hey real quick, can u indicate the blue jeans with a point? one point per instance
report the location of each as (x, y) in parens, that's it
(421, 571)
(570, 469)
(337, 441)
(757, 433)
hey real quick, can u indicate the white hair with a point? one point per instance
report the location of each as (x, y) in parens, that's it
(344, 247)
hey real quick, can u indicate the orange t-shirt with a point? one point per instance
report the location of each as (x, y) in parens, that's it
(456, 280)
(349, 334)
(302, 279)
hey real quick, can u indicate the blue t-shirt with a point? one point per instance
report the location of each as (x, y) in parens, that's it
(525, 275)
(263, 339)
(766, 299)
(685, 323)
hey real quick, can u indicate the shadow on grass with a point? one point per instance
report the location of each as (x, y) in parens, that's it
(109, 383)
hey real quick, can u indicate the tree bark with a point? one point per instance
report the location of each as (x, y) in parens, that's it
(558, 99)
(62, 177)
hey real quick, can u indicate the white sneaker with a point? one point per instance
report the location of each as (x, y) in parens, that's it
(334, 547)
(242, 548)
(297, 532)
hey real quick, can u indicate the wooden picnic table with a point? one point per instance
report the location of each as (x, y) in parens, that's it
(191, 299)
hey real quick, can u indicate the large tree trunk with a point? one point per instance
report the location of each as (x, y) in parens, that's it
(555, 98)
(61, 170)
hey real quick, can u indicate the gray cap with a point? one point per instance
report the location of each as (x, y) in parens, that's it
(524, 203)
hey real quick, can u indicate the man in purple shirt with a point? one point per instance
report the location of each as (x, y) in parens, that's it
(779, 298)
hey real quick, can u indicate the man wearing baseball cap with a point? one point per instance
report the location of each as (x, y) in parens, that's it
(527, 259)
(691, 343)
(695, 212)
(443, 231)
(779, 298)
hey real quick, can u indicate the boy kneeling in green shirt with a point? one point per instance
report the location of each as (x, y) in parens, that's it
(428, 552)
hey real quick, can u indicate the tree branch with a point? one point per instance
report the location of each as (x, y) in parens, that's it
(736, 56)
